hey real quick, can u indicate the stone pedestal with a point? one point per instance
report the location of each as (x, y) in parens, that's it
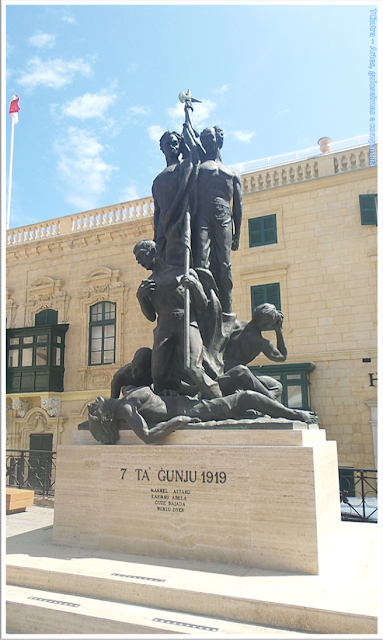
(255, 497)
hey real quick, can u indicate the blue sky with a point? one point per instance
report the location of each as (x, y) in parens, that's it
(99, 83)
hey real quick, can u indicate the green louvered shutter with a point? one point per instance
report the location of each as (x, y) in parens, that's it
(367, 203)
(255, 232)
(47, 316)
(270, 229)
(262, 230)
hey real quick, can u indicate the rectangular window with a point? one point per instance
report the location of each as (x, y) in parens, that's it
(109, 343)
(35, 358)
(56, 356)
(41, 356)
(96, 344)
(96, 313)
(102, 333)
(367, 203)
(27, 357)
(263, 230)
(110, 311)
(294, 396)
(295, 379)
(13, 358)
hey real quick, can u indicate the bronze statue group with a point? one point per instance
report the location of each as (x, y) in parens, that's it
(196, 370)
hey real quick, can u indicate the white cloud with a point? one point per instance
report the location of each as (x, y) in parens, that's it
(155, 132)
(139, 111)
(223, 89)
(200, 114)
(177, 112)
(69, 19)
(128, 194)
(52, 73)
(42, 40)
(81, 168)
(243, 136)
(90, 105)
(284, 111)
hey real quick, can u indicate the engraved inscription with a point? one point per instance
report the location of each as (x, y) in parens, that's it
(167, 498)
(172, 500)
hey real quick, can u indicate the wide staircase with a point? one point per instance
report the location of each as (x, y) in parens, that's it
(64, 590)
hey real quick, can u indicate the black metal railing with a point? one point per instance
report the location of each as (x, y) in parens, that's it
(358, 494)
(28, 469)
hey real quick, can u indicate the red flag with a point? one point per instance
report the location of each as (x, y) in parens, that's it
(14, 108)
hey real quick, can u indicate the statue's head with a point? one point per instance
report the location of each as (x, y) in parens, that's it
(99, 410)
(145, 252)
(142, 362)
(100, 420)
(211, 138)
(265, 315)
(170, 144)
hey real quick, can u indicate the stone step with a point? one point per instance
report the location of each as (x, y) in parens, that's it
(300, 603)
(342, 599)
(34, 611)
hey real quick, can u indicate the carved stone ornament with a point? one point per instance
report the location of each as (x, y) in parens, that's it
(51, 406)
(11, 309)
(39, 422)
(101, 282)
(100, 380)
(46, 293)
(22, 407)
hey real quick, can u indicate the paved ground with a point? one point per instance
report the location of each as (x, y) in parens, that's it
(35, 517)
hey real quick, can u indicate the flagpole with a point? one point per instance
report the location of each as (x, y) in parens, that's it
(10, 173)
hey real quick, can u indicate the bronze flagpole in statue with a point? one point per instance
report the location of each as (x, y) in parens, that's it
(187, 99)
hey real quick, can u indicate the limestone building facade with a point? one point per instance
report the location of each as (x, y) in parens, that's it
(308, 244)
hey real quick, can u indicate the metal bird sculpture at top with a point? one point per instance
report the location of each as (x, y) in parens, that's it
(187, 99)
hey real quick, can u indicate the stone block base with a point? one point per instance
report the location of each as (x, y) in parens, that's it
(270, 506)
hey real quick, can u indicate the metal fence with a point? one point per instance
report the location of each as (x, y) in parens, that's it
(28, 469)
(358, 494)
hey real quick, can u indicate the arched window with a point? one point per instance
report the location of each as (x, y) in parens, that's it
(46, 316)
(102, 333)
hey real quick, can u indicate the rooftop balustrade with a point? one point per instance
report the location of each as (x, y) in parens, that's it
(258, 175)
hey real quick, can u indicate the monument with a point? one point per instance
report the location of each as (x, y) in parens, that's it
(198, 342)
(237, 477)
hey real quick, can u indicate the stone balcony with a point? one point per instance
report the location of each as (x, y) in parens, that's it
(278, 171)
